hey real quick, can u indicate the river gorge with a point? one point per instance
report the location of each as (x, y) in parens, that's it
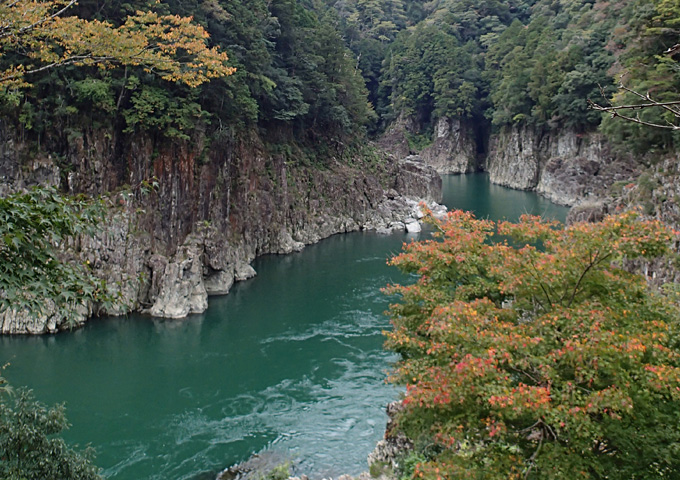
(290, 361)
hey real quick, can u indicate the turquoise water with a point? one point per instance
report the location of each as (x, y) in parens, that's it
(290, 361)
(474, 192)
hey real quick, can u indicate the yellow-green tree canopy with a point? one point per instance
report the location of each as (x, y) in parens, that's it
(39, 35)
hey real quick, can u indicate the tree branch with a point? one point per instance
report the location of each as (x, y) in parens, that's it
(638, 106)
(615, 110)
(593, 261)
(638, 120)
(46, 19)
(60, 63)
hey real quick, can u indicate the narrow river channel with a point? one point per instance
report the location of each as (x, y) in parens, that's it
(290, 361)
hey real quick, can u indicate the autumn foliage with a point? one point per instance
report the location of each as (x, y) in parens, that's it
(529, 352)
(41, 35)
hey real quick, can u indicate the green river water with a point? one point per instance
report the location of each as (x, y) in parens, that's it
(290, 361)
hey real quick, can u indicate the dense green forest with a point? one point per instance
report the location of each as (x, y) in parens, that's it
(333, 69)
(292, 71)
(518, 62)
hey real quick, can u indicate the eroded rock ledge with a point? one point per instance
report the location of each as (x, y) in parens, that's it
(565, 166)
(164, 251)
(453, 147)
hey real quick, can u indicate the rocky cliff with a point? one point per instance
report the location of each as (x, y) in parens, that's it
(452, 147)
(186, 220)
(582, 171)
(564, 166)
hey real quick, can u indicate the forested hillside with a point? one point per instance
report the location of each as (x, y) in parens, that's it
(519, 62)
(300, 66)
(292, 71)
(216, 131)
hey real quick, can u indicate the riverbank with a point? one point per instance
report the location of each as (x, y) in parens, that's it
(165, 248)
(291, 360)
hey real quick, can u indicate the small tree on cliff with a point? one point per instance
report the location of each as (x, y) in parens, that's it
(37, 35)
(548, 361)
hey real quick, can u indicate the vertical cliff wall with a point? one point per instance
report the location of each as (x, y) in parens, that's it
(565, 166)
(186, 219)
(453, 146)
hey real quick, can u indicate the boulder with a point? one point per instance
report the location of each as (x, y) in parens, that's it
(181, 287)
(413, 226)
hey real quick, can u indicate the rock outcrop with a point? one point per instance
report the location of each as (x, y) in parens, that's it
(564, 166)
(22, 322)
(20, 169)
(180, 229)
(395, 138)
(182, 289)
(394, 446)
(454, 149)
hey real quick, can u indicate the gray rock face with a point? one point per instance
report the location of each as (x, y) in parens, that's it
(513, 159)
(243, 271)
(395, 444)
(417, 179)
(163, 251)
(395, 139)
(119, 253)
(22, 322)
(454, 149)
(179, 285)
(218, 283)
(16, 174)
(413, 226)
(566, 167)
(182, 290)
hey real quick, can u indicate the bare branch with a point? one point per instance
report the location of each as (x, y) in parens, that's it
(647, 97)
(47, 19)
(635, 119)
(639, 106)
(63, 62)
(650, 103)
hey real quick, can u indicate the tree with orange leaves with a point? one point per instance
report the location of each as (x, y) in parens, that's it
(538, 358)
(40, 35)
